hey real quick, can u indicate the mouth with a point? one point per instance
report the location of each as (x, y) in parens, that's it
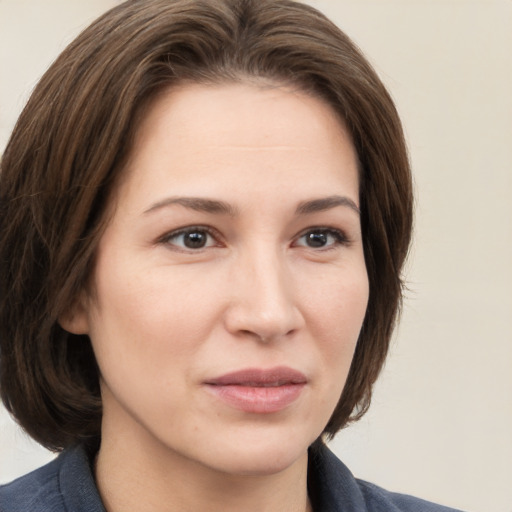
(258, 391)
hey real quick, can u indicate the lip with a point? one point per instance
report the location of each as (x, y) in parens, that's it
(259, 391)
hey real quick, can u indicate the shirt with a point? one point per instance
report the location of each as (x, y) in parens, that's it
(67, 485)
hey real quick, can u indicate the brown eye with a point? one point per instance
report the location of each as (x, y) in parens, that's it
(321, 238)
(316, 239)
(193, 238)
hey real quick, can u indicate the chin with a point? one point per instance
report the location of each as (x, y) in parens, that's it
(261, 455)
(262, 464)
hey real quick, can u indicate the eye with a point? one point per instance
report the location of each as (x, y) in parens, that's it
(321, 238)
(192, 238)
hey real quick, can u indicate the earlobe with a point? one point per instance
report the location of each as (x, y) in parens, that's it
(75, 318)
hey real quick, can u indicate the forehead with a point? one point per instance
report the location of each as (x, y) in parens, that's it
(249, 132)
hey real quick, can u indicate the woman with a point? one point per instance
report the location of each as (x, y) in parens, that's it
(205, 209)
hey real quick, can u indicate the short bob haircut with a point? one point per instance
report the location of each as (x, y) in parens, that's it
(66, 157)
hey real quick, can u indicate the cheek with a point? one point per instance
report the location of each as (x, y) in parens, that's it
(149, 327)
(151, 305)
(339, 304)
(145, 334)
(335, 316)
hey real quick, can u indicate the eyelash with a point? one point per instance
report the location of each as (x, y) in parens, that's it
(166, 239)
(340, 239)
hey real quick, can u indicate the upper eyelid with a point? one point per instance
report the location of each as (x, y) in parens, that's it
(188, 229)
(321, 227)
(327, 228)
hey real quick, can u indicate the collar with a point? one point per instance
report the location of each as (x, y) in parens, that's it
(331, 485)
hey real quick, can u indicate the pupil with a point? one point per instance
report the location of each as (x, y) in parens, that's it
(195, 240)
(317, 239)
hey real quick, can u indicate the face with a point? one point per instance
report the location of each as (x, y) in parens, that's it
(230, 284)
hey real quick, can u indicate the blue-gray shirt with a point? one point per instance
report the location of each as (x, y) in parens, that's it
(67, 485)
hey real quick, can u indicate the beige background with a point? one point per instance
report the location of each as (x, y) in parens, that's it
(441, 422)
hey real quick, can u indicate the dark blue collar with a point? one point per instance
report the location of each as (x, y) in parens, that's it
(67, 485)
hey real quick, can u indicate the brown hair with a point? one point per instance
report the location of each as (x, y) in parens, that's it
(67, 151)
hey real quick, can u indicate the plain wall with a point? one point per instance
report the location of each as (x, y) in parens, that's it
(440, 425)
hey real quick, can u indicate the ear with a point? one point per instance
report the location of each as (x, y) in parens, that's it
(75, 319)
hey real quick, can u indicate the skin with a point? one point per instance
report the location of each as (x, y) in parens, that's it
(165, 318)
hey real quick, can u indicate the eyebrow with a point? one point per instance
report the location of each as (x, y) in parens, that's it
(214, 206)
(326, 203)
(199, 204)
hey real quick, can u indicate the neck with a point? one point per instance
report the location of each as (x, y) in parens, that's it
(134, 475)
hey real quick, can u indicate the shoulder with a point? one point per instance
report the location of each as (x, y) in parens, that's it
(333, 488)
(38, 490)
(380, 500)
(64, 485)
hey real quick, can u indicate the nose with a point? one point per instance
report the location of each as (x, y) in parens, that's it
(263, 301)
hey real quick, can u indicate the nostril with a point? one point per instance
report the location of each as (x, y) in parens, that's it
(259, 337)
(266, 337)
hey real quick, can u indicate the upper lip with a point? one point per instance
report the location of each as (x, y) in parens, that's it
(278, 376)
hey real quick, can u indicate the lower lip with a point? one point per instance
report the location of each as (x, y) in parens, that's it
(259, 400)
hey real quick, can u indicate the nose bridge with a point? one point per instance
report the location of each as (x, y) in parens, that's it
(267, 273)
(264, 300)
